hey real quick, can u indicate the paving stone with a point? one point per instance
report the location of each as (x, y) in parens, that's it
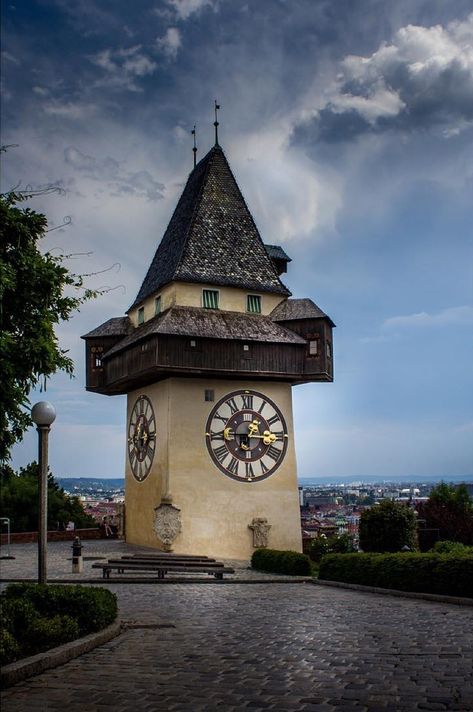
(263, 646)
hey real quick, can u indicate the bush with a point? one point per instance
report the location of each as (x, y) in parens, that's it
(36, 617)
(451, 547)
(281, 562)
(388, 526)
(337, 544)
(45, 633)
(447, 574)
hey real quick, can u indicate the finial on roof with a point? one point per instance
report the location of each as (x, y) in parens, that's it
(217, 107)
(195, 147)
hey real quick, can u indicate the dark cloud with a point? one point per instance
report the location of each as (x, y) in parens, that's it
(423, 80)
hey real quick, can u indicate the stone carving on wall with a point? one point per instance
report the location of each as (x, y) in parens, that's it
(260, 529)
(167, 523)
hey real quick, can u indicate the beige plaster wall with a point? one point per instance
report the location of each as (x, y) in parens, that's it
(215, 509)
(190, 295)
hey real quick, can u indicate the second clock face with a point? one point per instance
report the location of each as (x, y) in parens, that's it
(246, 436)
(141, 438)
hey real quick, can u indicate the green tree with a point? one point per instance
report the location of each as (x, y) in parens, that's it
(336, 544)
(19, 501)
(450, 510)
(37, 292)
(388, 526)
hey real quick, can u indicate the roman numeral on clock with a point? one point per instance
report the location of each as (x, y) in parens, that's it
(273, 419)
(221, 453)
(273, 453)
(247, 401)
(216, 435)
(232, 405)
(233, 466)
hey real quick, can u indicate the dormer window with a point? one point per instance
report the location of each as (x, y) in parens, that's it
(141, 315)
(253, 303)
(210, 298)
(328, 350)
(157, 305)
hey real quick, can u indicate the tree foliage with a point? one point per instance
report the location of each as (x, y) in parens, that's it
(388, 526)
(450, 510)
(37, 292)
(336, 544)
(19, 501)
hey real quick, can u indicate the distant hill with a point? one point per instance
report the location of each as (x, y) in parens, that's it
(91, 482)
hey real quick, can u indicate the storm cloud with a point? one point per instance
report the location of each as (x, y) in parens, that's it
(420, 81)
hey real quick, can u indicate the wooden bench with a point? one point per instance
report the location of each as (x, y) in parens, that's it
(171, 565)
(167, 557)
(216, 570)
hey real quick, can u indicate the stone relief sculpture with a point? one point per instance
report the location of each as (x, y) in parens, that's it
(260, 529)
(167, 523)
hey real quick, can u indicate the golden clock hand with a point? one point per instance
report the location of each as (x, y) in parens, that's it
(253, 428)
(228, 434)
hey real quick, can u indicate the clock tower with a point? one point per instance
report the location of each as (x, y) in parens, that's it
(207, 354)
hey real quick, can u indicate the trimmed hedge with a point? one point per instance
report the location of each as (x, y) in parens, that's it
(37, 617)
(447, 574)
(281, 562)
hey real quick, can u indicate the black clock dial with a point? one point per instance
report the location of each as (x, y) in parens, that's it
(246, 436)
(141, 438)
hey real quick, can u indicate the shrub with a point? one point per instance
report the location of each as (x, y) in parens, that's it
(281, 562)
(9, 648)
(36, 617)
(337, 544)
(447, 574)
(451, 547)
(46, 633)
(388, 526)
(92, 608)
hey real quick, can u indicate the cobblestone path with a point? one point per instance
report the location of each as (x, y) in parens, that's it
(262, 646)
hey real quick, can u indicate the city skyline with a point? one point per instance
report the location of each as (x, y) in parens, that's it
(349, 128)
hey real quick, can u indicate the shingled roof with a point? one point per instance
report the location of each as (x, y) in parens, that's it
(293, 309)
(117, 326)
(210, 324)
(212, 237)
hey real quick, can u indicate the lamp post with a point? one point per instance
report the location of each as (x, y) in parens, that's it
(43, 414)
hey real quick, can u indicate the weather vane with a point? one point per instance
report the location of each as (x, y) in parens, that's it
(195, 147)
(217, 107)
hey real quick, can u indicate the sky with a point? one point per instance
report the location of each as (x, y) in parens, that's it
(348, 125)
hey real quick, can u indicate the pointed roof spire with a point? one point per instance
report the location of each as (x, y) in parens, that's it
(194, 150)
(211, 237)
(216, 124)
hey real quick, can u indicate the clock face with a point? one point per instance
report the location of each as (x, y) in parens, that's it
(141, 438)
(246, 436)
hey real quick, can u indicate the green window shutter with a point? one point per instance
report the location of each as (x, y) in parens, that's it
(141, 315)
(157, 305)
(253, 303)
(210, 298)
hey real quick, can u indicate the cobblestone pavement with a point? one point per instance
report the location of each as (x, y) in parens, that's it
(256, 647)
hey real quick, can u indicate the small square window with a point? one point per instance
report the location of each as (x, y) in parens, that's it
(246, 347)
(141, 315)
(313, 347)
(192, 344)
(157, 305)
(209, 394)
(253, 303)
(210, 298)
